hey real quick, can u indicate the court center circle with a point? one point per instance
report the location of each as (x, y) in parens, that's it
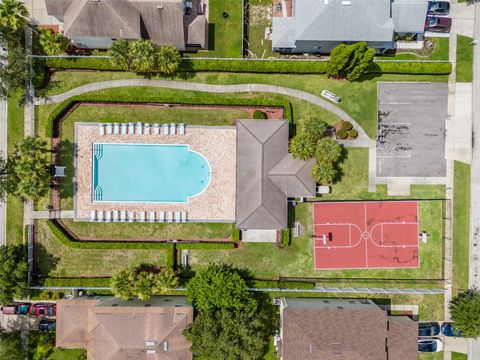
(365, 235)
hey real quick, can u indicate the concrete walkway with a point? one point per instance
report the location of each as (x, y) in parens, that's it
(63, 214)
(3, 153)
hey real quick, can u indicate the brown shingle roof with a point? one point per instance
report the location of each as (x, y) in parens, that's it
(402, 338)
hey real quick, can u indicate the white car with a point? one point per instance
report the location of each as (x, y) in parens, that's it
(430, 345)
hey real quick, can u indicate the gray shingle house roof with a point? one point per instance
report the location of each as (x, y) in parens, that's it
(354, 20)
(267, 175)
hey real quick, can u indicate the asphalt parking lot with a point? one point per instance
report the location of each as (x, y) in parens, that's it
(411, 129)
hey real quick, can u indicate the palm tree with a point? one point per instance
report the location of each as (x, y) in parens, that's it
(323, 173)
(165, 280)
(328, 151)
(302, 147)
(52, 43)
(143, 285)
(142, 55)
(13, 15)
(119, 54)
(168, 59)
(314, 127)
(121, 284)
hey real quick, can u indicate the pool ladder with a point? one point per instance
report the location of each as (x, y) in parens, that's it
(98, 151)
(97, 193)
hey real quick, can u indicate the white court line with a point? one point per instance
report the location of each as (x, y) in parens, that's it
(390, 223)
(350, 234)
(371, 237)
(342, 246)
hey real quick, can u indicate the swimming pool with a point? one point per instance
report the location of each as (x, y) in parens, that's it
(148, 173)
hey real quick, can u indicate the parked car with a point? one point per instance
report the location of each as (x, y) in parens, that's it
(438, 8)
(449, 330)
(438, 24)
(43, 310)
(430, 345)
(22, 309)
(9, 310)
(428, 328)
(47, 325)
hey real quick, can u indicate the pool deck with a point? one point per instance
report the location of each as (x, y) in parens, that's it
(217, 144)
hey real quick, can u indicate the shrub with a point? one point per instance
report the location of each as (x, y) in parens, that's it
(314, 127)
(67, 281)
(350, 61)
(119, 54)
(323, 173)
(328, 151)
(347, 125)
(302, 147)
(413, 68)
(465, 311)
(286, 237)
(353, 134)
(142, 55)
(168, 59)
(259, 114)
(342, 134)
(236, 234)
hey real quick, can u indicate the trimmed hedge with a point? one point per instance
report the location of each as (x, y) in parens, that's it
(259, 115)
(286, 237)
(94, 282)
(261, 66)
(283, 284)
(205, 246)
(236, 234)
(66, 240)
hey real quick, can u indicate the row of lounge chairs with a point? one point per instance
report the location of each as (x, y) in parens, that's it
(140, 129)
(139, 216)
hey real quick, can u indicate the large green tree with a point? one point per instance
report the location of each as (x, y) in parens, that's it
(13, 273)
(302, 146)
(350, 61)
(29, 168)
(465, 312)
(168, 59)
(11, 346)
(13, 17)
(219, 286)
(119, 53)
(142, 55)
(229, 334)
(13, 71)
(52, 43)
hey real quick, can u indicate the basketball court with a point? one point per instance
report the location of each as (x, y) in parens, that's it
(360, 235)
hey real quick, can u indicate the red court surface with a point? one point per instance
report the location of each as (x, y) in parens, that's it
(359, 235)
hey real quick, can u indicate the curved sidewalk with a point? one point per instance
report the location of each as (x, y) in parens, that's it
(362, 141)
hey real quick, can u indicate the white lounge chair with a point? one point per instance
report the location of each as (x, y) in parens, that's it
(101, 129)
(173, 129)
(99, 215)
(152, 216)
(108, 216)
(92, 215)
(184, 216)
(131, 129)
(161, 216)
(156, 129)
(123, 129)
(181, 129)
(116, 128)
(109, 129)
(142, 216)
(123, 216)
(146, 129)
(115, 215)
(131, 216)
(139, 128)
(165, 129)
(169, 216)
(177, 216)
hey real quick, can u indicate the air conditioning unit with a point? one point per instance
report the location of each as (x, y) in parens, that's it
(277, 302)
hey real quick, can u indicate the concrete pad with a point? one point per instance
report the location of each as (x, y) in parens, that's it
(463, 16)
(398, 189)
(455, 344)
(261, 236)
(38, 11)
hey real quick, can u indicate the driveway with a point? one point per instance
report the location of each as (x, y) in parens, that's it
(463, 19)
(411, 129)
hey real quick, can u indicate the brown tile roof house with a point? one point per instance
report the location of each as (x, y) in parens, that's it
(347, 329)
(267, 175)
(97, 23)
(112, 329)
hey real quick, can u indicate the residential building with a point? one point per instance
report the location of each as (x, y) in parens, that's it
(95, 24)
(111, 328)
(317, 26)
(350, 329)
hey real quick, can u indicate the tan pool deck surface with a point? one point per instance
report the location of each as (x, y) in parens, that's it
(216, 144)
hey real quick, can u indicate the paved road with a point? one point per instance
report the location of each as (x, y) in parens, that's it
(474, 278)
(3, 152)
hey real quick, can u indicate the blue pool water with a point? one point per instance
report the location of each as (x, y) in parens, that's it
(148, 173)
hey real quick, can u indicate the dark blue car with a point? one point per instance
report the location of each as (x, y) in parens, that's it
(47, 325)
(449, 330)
(430, 345)
(428, 329)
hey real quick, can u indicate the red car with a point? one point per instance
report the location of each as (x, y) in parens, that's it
(43, 310)
(438, 24)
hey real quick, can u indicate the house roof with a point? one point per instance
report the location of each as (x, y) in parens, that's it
(197, 31)
(267, 175)
(409, 15)
(320, 20)
(346, 329)
(114, 329)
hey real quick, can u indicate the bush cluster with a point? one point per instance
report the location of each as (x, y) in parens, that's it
(286, 237)
(259, 115)
(350, 61)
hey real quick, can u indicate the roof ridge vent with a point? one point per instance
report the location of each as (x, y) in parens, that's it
(346, 3)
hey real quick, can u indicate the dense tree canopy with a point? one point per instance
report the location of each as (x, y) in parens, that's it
(13, 17)
(465, 312)
(53, 43)
(13, 273)
(11, 346)
(350, 61)
(13, 71)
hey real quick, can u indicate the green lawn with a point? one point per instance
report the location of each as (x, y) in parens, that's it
(359, 99)
(14, 204)
(461, 226)
(464, 59)
(147, 231)
(430, 356)
(459, 356)
(224, 34)
(56, 259)
(439, 52)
